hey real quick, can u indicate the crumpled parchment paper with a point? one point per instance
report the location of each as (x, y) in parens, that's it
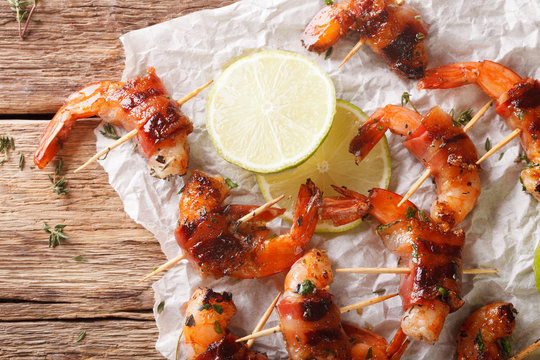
(502, 231)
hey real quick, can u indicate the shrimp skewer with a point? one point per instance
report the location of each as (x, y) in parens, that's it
(205, 329)
(518, 102)
(311, 324)
(396, 33)
(445, 150)
(142, 104)
(432, 288)
(214, 241)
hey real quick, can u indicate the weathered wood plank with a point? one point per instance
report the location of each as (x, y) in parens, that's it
(40, 286)
(75, 43)
(105, 339)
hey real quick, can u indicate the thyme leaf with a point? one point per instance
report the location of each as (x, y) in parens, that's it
(59, 187)
(21, 162)
(81, 336)
(109, 132)
(55, 234)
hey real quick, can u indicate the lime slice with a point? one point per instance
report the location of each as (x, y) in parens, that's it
(270, 111)
(332, 164)
(536, 267)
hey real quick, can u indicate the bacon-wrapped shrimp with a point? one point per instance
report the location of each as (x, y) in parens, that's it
(142, 104)
(482, 333)
(395, 32)
(310, 321)
(432, 288)
(205, 328)
(518, 102)
(213, 241)
(443, 148)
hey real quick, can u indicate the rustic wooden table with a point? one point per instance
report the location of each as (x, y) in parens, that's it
(47, 298)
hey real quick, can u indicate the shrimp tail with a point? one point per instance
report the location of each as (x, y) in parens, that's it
(369, 134)
(450, 76)
(348, 207)
(398, 345)
(306, 210)
(79, 105)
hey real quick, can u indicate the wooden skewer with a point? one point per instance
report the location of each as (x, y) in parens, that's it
(501, 143)
(356, 47)
(478, 115)
(264, 319)
(345, 309)
(169, 264)
(365, 270)
(102, 152)
(527, 351)
(259, 210)
(427, 172)
(133, 132)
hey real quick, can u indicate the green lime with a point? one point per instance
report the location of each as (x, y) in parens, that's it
(270, 111)
(332, 164)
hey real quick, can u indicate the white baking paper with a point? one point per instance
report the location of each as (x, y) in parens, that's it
(502, 231)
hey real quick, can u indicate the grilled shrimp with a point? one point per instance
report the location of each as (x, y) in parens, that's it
(205, 329)
(142, 104)
(396, 33)
(481, 333)
(310, 321)
(443, 148)
(432, 288)
(213, 241)
(518, 103)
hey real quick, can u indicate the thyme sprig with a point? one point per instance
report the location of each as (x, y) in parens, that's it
(22, 14)
(109, 132)
(406, 99)
(59, 186)
(6, 144)
(462, 119)
(55, 234)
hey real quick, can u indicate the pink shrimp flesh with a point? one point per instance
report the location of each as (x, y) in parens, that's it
(213, 241)
(368, 345)
(485, 334)
(518, 102)
(142, 104)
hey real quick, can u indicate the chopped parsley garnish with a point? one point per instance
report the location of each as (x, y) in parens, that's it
(506, 346)
(217, 327)
(479, 341)
(305, 288)
(217, 308)
(329, 2)
(411, 213)
(420, 36)
(231, 184)
(204, 307)
(415, 251)
(369, 354)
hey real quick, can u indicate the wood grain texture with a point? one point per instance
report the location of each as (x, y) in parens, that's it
(76, 43)
(41, 286)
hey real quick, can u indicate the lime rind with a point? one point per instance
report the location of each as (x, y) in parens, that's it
(381, 153)
(306, 150)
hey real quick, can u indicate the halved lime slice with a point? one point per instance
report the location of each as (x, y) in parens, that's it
(270, 111)
(332, 164)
